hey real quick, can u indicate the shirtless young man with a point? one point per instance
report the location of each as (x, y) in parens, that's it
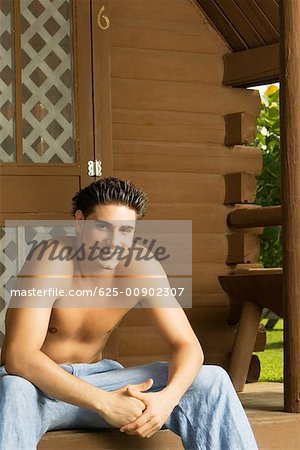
(52, 373)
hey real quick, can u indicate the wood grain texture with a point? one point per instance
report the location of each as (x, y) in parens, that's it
(132, 340)
(261, 286)
(241, 22)
(255, 217)
(261, 22)
(271, 11)
(163, 65)
(176, 96)
(167, 36)
(183, 156)
(204, 215)
(243, 248)
(165, 188)
(250, 67)
(166, 126)
(37, 198)
(220, 21)
(290, 154)
(240, 188)
(244, 24)
(137, 11)
(210, 310)
(240, 128)
(209, 248)
(244, 344)
(107, 439)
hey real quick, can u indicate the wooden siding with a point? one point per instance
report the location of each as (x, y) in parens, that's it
(168, 108)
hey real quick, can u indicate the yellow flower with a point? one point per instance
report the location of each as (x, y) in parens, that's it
(271, 90)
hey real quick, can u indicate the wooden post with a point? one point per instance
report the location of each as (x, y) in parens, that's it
(290, 152)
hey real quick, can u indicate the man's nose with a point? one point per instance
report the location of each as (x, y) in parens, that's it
(114, 239)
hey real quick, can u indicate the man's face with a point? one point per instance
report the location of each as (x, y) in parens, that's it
(111, 227)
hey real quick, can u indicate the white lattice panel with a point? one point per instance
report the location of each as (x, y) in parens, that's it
(7, 141)
(47, 81)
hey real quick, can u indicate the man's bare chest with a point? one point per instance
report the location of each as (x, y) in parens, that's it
(90, 308)
(83, 324)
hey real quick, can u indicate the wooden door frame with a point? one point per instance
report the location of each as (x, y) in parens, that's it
(101, 51)
(83, 87)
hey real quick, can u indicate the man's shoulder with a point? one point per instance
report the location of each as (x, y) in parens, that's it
(50, 257)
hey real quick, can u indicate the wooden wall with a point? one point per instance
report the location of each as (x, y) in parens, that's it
(168, 124)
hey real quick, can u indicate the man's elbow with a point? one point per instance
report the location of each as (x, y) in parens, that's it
(17, 364)
(194, 348)
(199, 353)
(11, 367)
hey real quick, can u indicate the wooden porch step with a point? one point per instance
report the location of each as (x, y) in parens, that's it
(274, 429)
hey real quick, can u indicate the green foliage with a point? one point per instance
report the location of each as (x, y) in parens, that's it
(269, 182)
(271, 359)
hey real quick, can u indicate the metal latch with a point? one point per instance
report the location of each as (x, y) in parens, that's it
(94, 168)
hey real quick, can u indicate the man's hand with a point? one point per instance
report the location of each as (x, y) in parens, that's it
(158, 409)
(123, 408)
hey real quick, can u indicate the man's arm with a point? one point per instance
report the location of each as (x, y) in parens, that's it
(24, 358)
(25, 334)
(187, 355)
(24, 337)
(172, 324)
(186, 360)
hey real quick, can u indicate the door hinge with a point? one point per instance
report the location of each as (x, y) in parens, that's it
(94, 168)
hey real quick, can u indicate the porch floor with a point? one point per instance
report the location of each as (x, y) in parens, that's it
(274, 429)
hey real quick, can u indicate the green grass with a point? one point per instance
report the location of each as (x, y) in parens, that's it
(271, 359)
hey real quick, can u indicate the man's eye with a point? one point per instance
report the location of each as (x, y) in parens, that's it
(102, 226)
(126, 230)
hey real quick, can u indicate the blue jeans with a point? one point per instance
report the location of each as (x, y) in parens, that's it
(209, 416)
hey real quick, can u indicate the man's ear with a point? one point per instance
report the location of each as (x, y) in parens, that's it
(79, 221)
(79, 215)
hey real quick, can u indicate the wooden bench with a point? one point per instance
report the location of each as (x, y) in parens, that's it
(108, 440)
(255, 289)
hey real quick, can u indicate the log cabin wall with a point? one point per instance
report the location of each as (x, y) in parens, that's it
(168, 126)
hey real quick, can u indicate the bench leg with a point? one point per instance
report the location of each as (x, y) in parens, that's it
(244, 344)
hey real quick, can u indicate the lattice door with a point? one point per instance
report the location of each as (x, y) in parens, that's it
(47, 102)
(44, 94)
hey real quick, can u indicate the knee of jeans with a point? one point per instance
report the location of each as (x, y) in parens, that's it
(158, 366)
(13, 386)
(213, 377)
(159, 373)
(222, 376)
(112, 364)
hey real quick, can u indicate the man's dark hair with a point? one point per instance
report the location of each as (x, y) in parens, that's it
(109, 190)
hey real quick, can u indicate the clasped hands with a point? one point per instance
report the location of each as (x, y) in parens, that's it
(137, 412)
